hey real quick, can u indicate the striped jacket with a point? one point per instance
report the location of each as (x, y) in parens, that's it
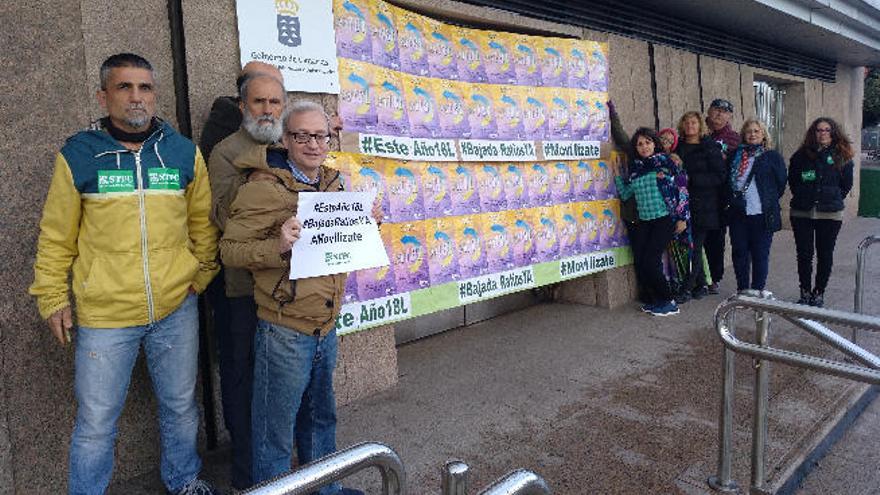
(132, 226)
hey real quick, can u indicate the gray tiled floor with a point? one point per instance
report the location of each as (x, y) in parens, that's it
(852, 466)
(599, 401)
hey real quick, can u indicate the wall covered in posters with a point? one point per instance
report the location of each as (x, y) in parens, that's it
(488, 152)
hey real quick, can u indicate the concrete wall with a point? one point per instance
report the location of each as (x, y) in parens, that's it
(678, 86)
(50, 61)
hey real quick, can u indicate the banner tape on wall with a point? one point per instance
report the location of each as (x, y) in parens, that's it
(397, 307)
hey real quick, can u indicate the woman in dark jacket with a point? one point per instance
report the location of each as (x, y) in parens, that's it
(757, 181)
(820, 176)
(707, 177)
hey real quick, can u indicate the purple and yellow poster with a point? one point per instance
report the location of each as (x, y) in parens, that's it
(373, 283)
(490, 185)
(442, 256)
(369, 175)
(404, 186)
(409, 256)
(496, 240)
(546, 242)
(469, 246)
(382, 24)
(464, 189)
(522, 237)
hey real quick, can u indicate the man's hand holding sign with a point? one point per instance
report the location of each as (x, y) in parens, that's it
(290, 232)
(333, 232)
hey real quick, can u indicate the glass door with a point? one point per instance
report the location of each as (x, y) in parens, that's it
(770, 108)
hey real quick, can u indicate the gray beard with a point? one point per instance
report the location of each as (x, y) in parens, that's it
(263, 134)
(138, 122)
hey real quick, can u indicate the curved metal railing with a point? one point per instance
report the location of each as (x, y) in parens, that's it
(807, 318)
(454, 481)
(337, 466)
(519, 482)
(861, 255)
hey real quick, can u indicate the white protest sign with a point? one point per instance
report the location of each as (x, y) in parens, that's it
(338, 235)
(297, 36)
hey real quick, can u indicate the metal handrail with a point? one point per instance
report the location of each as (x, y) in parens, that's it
(519, 482)
(454, 481)
(804, 317)
(859, 295)
(454, 478)
(337, 466)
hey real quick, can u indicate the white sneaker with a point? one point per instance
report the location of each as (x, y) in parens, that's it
(749, 292)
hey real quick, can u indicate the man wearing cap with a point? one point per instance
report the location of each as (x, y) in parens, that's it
(718, 120)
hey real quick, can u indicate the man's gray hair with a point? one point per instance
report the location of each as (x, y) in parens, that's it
(298, 107)
(247, 80)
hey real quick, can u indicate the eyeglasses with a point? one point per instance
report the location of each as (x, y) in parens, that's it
(305, 137)
(823, 130)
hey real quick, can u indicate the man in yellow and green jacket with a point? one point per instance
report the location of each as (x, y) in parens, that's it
(128, 214)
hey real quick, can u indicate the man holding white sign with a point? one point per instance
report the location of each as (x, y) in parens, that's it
(295, 345)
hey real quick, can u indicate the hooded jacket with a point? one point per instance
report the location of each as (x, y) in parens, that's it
(132, 226)
(250, 240)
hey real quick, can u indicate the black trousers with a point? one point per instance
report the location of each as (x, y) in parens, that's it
(648, 256)
(714, 245)
(635, 232)
(235, 322)
(819, 236)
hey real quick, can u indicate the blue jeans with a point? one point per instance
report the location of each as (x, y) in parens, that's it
(293, 399)
(104, 360)
(750, 245)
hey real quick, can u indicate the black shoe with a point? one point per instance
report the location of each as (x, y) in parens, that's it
(699, 293)
(682, 297)
(713, 289)
(806, 297)
(817, 299)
